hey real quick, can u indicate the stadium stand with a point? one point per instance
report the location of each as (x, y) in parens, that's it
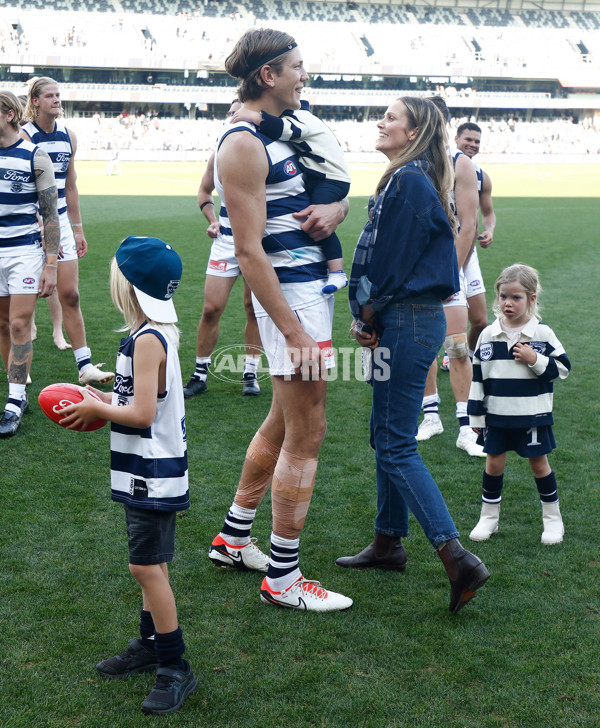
(524, 70)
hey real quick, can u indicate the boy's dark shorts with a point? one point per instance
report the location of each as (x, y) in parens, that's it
(528, 443)
(151, 535)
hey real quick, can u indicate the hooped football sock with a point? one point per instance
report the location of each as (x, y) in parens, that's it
(13, 405)
(201, 371)
(431, 406)
(170, 648)
(16, 394)
(283, 564)
(83, 357)
(238, 524)
(251, 364)
(461, 414)
(547, 488)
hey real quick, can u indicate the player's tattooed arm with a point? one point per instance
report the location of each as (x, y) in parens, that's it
(48, 199)
(45, 184)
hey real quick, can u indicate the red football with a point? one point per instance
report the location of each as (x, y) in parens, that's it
(55, 397)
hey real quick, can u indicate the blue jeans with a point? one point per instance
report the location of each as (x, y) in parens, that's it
(413, 332)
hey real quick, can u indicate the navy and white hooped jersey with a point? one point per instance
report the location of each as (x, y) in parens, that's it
(149, 467)
(295, 257)
(319, 151)
(19, 230)
(454, 154)
(506, 393)
(479, 173)
(57, 144)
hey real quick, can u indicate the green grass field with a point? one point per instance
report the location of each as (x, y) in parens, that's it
(523, 654)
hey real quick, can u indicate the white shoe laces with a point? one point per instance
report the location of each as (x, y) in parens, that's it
(310, 587)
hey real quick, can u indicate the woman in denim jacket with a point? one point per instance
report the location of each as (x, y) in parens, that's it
(404, 266)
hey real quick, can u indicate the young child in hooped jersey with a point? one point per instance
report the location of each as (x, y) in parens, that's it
(321, 159)
(149, 471)
(516, 361)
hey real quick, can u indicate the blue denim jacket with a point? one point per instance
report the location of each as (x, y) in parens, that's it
(406, 249)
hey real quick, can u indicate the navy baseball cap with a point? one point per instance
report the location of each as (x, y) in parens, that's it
(154, 270)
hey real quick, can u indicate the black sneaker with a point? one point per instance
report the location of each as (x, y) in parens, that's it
(171, 688)
(193, 387)
(9, 423)
(250, 385)
(134, 660)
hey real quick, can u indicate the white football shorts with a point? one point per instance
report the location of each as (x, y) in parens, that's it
(222, 261)
(20, 275)
(473, 275)
(460, 297)
(315, 319)
(67, 240)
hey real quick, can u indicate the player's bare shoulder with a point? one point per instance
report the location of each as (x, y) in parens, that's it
(241, 146)
(42, 162)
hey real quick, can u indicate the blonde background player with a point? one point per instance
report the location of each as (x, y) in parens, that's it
(45, 129)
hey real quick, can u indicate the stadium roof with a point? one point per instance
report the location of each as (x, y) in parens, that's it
(514, 6)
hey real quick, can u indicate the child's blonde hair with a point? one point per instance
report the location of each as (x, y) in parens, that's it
(525, 276)
(125, 300)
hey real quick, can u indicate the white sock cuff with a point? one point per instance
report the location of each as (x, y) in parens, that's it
(461, 409)
(286, 543)
(84, 352)
(247, 514)
(16, 391)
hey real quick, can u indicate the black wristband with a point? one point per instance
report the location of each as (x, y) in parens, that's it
(204, 204)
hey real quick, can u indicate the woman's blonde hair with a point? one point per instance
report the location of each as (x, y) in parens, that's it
(125, 300)
(244, 61)
(9, 102)
(525, 276)
(36, 86)
(430, 145)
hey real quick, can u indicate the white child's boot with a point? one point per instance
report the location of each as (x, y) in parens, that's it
(488, 522)
(553, 524)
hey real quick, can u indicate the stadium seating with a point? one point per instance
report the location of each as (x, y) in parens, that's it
(168, 55)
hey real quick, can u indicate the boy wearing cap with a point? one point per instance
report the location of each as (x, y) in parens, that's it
(149, 472)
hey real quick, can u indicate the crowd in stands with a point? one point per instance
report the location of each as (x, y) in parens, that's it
(144, 133)
(261, 11)
(481, 43)
(548, 41)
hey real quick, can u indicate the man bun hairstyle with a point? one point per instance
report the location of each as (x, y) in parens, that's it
(255, 49)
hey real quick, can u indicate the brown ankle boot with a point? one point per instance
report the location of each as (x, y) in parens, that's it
(465, 570)
(385, 552)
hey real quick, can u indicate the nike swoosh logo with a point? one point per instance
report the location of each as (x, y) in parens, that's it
(301, 604)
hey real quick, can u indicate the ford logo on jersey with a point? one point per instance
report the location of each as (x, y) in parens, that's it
(290, 168)
(14, 176)
(123, 386)
(63, 157)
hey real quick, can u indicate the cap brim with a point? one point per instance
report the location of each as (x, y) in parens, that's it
(163, 312)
